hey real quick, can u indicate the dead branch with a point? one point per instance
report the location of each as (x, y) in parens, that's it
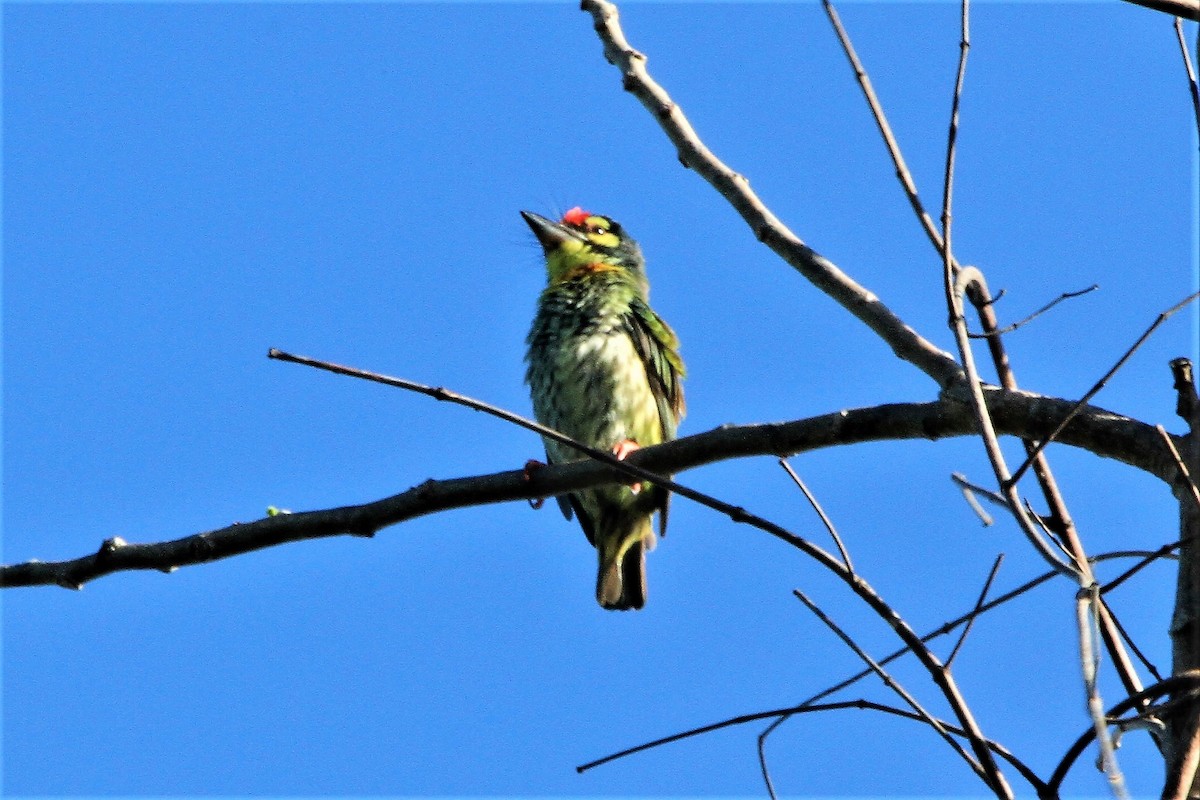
(1016, 413)
(907, 344)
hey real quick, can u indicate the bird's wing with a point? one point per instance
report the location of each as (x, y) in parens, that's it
(658, 348)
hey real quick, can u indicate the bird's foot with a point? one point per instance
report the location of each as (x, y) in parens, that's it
(532, 466)
(622, 449)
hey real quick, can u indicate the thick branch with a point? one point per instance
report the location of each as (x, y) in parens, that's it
(693, 154)
(1014, 413)
(1188, 9)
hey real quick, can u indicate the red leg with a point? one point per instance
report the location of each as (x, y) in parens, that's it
(622, 449)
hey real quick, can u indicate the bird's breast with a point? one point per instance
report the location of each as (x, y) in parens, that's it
(588, 381)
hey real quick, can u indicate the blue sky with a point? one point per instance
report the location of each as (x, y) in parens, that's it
(186, 186)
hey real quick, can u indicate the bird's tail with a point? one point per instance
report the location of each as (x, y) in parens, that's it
(621, 581)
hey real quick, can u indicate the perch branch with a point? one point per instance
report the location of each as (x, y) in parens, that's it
(1016, 413)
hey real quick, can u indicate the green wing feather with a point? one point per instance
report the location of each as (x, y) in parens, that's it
(658, 347)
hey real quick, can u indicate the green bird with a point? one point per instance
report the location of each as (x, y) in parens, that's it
(605, 370)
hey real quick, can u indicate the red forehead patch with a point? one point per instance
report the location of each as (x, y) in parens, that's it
(576, 216)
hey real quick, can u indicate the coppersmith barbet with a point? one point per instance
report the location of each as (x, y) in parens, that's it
(604, 369)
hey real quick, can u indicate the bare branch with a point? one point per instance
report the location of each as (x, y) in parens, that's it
(860, 703)
(1021, 323)
(957, 284)
(1162, 552)
(903, 174)
(989, 774)
(1188, 9)
(949, 265)
(1016, 413)
(693, 154)
(1193, 90)
(987, 585)
(1183, 686)
(1060, 516)
(811, 704)
(825, 520)
(1100, 384)
(1185, 476)
(1089, 662)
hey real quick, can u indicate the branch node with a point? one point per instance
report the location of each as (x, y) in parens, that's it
(1187, 404)
(109, 546)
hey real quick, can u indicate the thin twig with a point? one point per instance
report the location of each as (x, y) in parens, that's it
(762, 750)
(1105, 611)
(1089, 660)
(1051, 536)
(971, 277)
(949, 265)
(825, 520)
(782, 715)
(1179, 464)
(1193, 90)
(975, 488)
(1184, 685)
(860, 703)
(958, 282)
(987, 585)
(903, 174)
(975, 505)
(953, 624)
(1100, 384)
(445, 395)
(1014, 326)
(895, 686)
(1066, 535)
(1161, 552)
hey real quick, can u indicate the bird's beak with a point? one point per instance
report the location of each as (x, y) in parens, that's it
(551, 234)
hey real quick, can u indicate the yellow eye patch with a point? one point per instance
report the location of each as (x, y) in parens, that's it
(599, 231)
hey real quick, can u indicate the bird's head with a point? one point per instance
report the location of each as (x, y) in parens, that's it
(584, 243)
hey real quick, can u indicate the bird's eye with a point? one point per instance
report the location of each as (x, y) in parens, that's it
(599, 230)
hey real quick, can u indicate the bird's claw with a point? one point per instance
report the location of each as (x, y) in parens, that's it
(622, 449)
(532, 466)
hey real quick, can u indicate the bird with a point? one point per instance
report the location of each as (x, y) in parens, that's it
(604, 369)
